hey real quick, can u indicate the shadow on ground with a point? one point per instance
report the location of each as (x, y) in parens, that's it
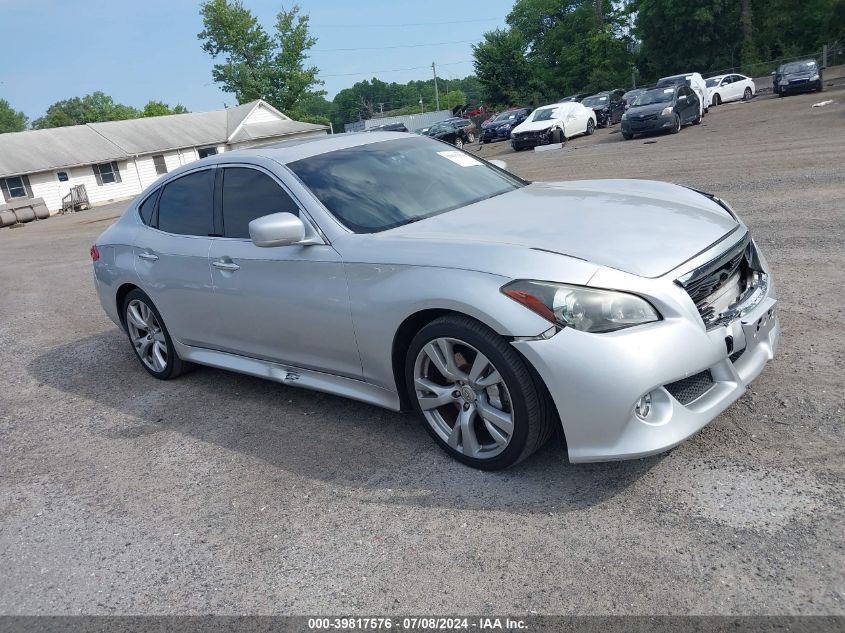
(314, 435)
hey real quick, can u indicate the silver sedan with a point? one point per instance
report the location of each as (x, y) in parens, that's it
(624, 315)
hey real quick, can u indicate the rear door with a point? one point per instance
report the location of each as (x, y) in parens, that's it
(171, 255)
(288, 304)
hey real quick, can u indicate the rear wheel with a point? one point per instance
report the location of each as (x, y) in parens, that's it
(149, 337)
(697, 119)
(476, 395)
(459, 143)
(470, 137)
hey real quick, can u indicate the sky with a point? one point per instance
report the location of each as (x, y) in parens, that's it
(136, 51)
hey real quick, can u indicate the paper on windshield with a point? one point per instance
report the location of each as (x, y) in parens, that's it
(459, 158)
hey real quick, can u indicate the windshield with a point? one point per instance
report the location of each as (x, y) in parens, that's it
(595, 100)
(798, 67)
(660, 95)
(506, 116)
(713, 82)
(379, 186)
(543, 114)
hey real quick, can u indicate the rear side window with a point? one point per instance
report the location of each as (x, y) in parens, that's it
(147, 207)
(186, 204)
(249, 194)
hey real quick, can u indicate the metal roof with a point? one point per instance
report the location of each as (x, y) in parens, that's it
(34, 151)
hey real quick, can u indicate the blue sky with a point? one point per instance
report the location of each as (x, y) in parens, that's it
(141, 50)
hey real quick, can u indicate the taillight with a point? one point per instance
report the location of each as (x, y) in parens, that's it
(95, 253)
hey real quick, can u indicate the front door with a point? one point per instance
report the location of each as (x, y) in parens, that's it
(171, 256)
(288, 304)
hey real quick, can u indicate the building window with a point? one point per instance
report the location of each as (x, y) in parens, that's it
(15, 187)
(62, 176)
(206, 151)
(161, 167)
(107, 173)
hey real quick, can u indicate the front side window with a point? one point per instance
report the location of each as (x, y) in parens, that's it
(379, 186)
(203, 152)
(15, 187)
(107, 173)
(249, 194)
(161, 167)
(187, 203)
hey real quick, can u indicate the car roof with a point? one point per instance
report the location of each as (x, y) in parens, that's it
(289, 151)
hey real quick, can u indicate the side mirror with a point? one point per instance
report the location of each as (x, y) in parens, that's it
(773, 73)
(682, 98)
(276, 229)
(500, 164)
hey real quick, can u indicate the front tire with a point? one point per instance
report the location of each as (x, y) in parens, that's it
(591, 127)
(717, 100)
(149, 337)
(677, 126)
(746, 96)
(627, 136)
(459, 143)
(557, 136)
(475, 394)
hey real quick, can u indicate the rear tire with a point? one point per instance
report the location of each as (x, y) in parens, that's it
(459, 143)
(517, 395)
(149, 337)
(697, 119)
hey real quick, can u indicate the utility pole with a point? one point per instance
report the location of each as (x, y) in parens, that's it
(436, 94)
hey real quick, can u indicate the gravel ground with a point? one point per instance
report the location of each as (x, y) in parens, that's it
(220, 493)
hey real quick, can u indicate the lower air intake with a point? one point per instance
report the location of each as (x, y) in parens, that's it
(691, 388)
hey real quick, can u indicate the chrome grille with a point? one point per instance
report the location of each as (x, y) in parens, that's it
(691, 388)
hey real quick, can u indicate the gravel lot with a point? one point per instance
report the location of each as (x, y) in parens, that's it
(220, 493)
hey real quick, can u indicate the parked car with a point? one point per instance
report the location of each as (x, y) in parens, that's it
(465, 124)
(724, 88)
(371, 267)
(661, 109)
(607, 105)
(499, 129)
(449, 133)
(576, 97)
(553, 123)
(800, 76)
(629, 97)
(694, 81)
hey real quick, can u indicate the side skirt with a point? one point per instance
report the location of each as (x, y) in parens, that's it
(291, 376)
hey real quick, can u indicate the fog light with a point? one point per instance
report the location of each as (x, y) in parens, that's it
(643, 407)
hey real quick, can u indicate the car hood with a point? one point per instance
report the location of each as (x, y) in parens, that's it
(646, 228)
(528, 126)
(652, 108)
(804, 74)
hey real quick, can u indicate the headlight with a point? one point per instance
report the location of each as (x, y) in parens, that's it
(581, 308)
(667, 111)
(784, 82)
(625, 115)
(814, 77)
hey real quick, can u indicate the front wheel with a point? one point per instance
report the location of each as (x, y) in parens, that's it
(459, 143)
(149, 337)
(717, 100)
(476, 395)
(470, 137)
(627, 136)
(591, 127)
(746, 96)
(676, 127)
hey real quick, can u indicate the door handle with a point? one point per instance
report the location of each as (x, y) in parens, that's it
(222, 264)
(150, 257)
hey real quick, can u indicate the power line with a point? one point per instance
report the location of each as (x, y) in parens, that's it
(378, 48)
(366, 25)
(393, 70)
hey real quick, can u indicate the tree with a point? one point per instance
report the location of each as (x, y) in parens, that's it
(257, 65)
(501, 67)
(91, 108)
(11, 120)
(159, 108)
(453, 98)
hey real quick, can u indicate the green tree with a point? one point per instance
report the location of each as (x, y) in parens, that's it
(11, 120)
(501, 67)
(255, 64)
(159, 108)
(91, 108)
(452, 99)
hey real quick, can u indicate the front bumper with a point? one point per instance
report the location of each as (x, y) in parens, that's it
(496, 134)
(595, 380)
(657, 124)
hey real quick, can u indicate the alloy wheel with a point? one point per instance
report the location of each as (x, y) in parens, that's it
(146, 335)
(459, 143)
(463, 397)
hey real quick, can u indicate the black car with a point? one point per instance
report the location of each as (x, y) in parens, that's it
(608, 106)
(389, 127)
(499, 129)
(447, 132)
(576, 97)
(660, 109)
(465, 124)
(801, 76)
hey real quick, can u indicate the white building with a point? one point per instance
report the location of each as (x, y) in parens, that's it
(118, 159)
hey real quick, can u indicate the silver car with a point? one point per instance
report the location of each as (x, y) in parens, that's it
(399, 271)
